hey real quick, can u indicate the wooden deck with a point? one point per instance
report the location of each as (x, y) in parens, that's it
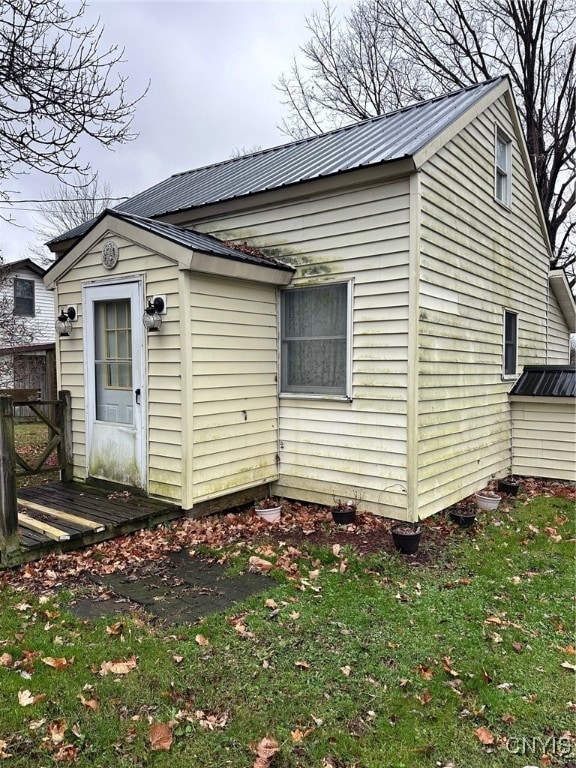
(57, 517)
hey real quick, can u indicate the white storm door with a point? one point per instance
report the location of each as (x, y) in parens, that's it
(115, 383)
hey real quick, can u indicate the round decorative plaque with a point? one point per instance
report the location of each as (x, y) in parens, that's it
(110, 254)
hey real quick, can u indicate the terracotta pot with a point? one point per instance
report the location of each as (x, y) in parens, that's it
(405, 538)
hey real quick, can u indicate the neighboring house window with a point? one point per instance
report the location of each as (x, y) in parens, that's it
(315, 324)
(510, 343)
(503, 168)
(23, 297)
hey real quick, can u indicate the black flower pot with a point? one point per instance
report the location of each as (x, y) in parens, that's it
(343, 516)
(464, 518)
(406, 539)
(509, 487)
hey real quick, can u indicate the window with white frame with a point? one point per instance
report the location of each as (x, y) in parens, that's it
(510, 343)
(315, 343)
(23, 297)
(503, 168)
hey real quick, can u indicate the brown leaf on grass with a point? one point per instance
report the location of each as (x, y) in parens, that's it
(67, 753)
(425, 672)
(56, 731)
(508, 719)
(25, 698)
(160, 736)
(259, 565)
(119, 667)
(567, 665)
(447, 666)
(59, 663)
(518, 647)
(425, 697)
(92, 704)
(210, 722)
(484, 736)
(346, 670)
(302, 664)
(201, 640)
(6, 660)
(493, 620)
(265, 751)
(3, 754)
(115, 629)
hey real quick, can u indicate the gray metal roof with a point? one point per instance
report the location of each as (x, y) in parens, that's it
(546, 381)
(378, 140)
(196, 241)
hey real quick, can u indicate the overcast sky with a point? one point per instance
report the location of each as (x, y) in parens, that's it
(212, 68)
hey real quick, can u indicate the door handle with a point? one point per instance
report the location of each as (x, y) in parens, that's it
(138, 393)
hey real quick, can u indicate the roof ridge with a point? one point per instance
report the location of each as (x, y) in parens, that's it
(342, 129)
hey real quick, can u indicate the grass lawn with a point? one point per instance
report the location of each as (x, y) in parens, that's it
(364, 662)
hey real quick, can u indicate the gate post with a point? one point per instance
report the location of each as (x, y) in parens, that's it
(8, 503)
(65, 427)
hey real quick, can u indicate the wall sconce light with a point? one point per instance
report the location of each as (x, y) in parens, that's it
(151, 318)
(65, 320)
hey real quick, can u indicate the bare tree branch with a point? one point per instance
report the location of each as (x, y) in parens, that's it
(58, 83)
(389, 53)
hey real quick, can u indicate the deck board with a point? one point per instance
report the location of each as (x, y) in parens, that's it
(83, 514)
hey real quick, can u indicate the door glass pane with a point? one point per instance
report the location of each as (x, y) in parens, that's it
(113, 345)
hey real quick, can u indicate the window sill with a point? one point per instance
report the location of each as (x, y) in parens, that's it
(312, 396)
(510, 376)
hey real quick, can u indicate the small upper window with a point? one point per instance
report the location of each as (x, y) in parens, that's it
(315, 341)
(23, 297)
(510, 343)
(503, 169)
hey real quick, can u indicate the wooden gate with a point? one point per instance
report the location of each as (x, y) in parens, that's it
(59, 443)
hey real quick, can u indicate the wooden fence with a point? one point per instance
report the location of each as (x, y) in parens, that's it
(56, 415)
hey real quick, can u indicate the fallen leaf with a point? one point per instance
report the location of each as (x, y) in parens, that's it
(259, 565)
(346, 670)
(270, 603)
(60, 663)
(68, 753)
(508, 719)
(425, 697)
(302, 664)
(425, 672)
(265, 751)
(518, 647)
(483, 735)
(115, 629)
(201, 640)
(56, 731)
(25, 698)
(493, 620)
(567, 665)
(6, 660)
(160, 736)
(3, 754)
(118, 667)
(92, 704)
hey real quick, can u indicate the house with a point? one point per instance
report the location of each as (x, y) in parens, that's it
(27, 359)
(342, 316)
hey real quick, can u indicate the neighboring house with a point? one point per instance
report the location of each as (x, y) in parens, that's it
(27, 345)
(362, 345)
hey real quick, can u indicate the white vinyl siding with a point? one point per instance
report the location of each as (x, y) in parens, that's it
(234, 348)
(163, 362)
(558, 334)
(544, 437)
(470, 260)
(333, 448)
(41, 323)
